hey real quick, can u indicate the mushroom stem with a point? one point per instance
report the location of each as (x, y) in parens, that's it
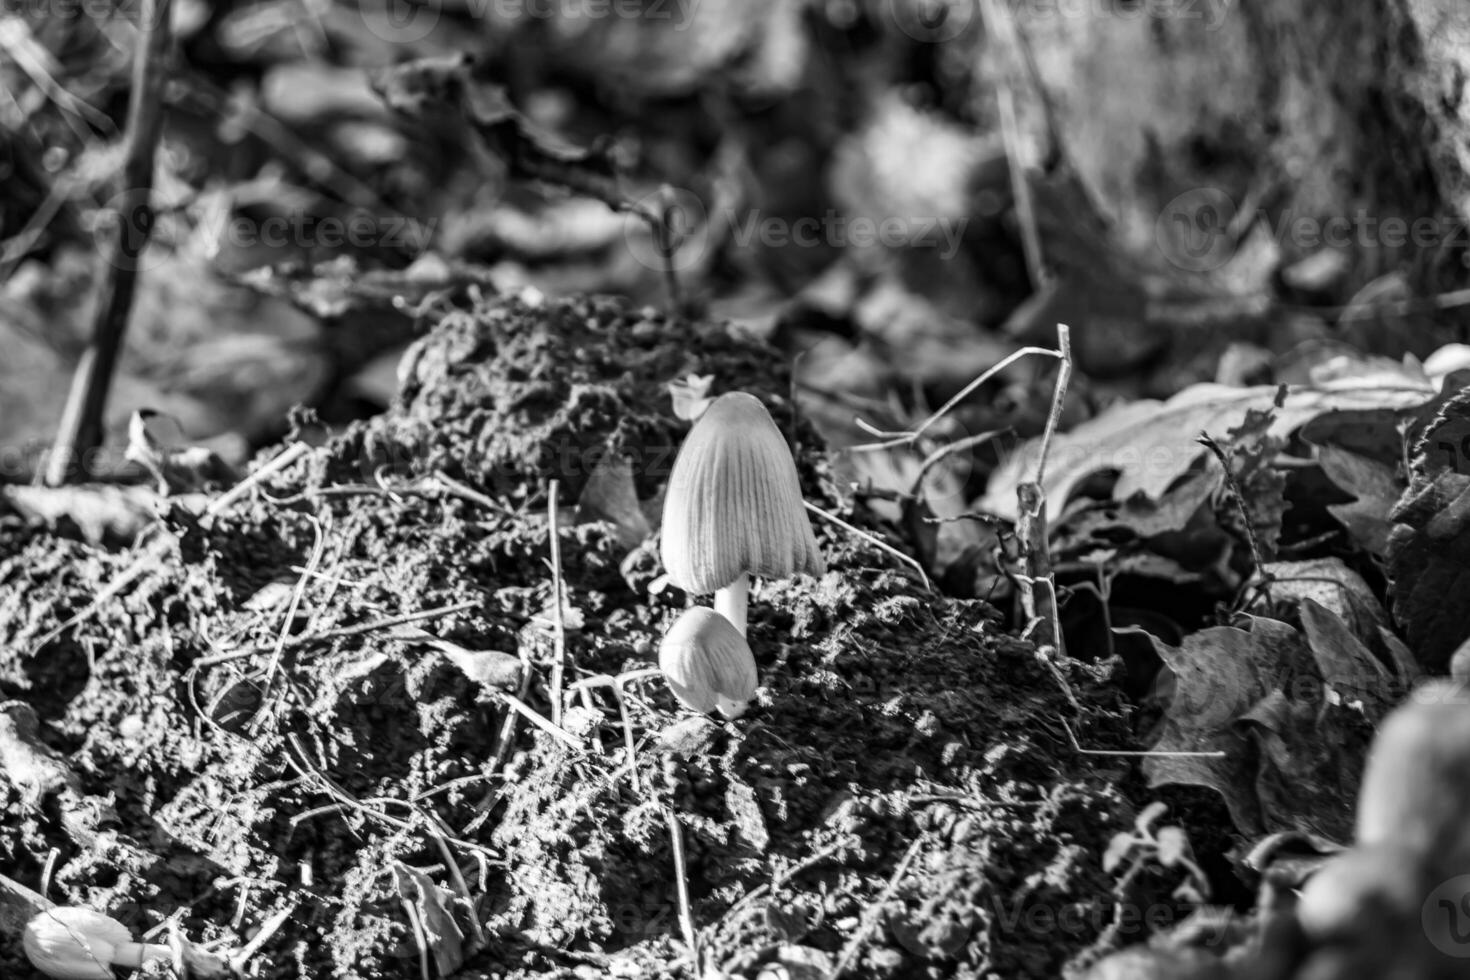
(134, 955)
(730, 601)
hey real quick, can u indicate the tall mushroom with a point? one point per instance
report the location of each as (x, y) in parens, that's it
(733, 507)
(707, 663)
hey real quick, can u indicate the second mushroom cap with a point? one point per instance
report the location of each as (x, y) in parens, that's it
(707, 663)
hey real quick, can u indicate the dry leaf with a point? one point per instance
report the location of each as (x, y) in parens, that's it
(1151, 444)
(691, 395)
(610, 496)
(1376, 488)
(432, 908)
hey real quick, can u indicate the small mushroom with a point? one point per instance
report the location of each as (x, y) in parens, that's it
(72, 943)
(733, 507)
(707, 663)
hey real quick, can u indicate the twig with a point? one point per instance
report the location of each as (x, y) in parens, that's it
(419, 938)
(944, 452)
(871, 539)
(1141, 754)
(616, 684)
(891, 439)
(1021, 188)
(871, 916)
(1036, 587)
(279, 462)
(345, 800)
(559, 636)
(1058, 398)
(457, 489)
(269, 928)
(81, 428)
(1232, 485)
(540, 720)
(318, 548)
(663, 239)
(1000, 24)
(681, 884)
(504, 744)
(337, 634)
(807, 863)
(456, 876)
(16, 247)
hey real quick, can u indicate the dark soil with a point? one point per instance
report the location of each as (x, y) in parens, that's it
(903, 800)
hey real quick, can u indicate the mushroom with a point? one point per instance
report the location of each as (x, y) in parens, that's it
(733, 507)
(707, 663)
(72, 943)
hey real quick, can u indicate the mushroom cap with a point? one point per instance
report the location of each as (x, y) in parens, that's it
(707, 663)
(734, 504)
(73, 943)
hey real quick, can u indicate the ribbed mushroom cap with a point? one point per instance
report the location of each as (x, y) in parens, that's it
(733, 504)
(74, 943)
(707, 663)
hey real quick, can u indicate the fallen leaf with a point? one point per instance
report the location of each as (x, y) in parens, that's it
(432, 908)
(1376, 488)
(1253, 697)
(610, 496)
(691, 395)
(176, 468)
(1331, 583)
(1151, 444)
(1429, 548)
(488, 668)
(101, 512)
(1349, 668)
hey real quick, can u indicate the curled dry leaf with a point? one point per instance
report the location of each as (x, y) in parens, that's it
(691, 395)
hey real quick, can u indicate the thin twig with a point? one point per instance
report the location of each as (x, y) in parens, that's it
(1036, 585)
(269, 928)
(1021, 187)
(341, 633)
(616, 684)
(681, 884)
(559, 635)
(1232, 485)
(457, 489)
(318, 548)
(944, 452)
(871, 539)
(891, 439)
(1142, 754)
(540, 721)
(875, 911)
(1058, 399)
(419, 938)
(81, 428)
